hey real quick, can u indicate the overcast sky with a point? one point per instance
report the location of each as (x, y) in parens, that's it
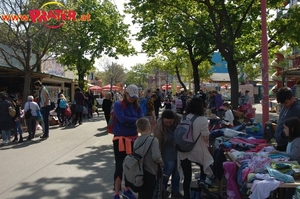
(125, 61)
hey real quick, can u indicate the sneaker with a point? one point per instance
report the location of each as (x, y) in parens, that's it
(4, 142)
(128, 194)
(8, 141)
(117, 196)
(44, 137)
(177, 195)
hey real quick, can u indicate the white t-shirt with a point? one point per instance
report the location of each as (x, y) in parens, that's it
(229, 116)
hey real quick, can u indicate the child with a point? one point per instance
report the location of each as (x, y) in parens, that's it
(151, 160)
(228, 113)
(291, 129)
(167, 104)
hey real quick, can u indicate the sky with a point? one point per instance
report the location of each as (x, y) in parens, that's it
(127, 62)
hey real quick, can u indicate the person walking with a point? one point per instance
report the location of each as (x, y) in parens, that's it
(31, 121)
(44, 103)
(164, 132)
(199, 154)
(106, 106)
(127, 111)
(79, 100)
(290, 108)
(17, 120)
(6, 121)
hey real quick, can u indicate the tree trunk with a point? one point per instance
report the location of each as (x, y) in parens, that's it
(233, 74)
(196, 77)
(195, 69)
(81, 81)
(27, 86)
(179, 78)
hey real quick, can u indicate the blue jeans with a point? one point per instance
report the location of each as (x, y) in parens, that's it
(170, 168)
(18, 127)
(45, 113)
(5, 135)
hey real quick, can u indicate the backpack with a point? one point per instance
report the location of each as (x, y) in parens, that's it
(183, 135)
(62, 103)
(144, 105)
(12, 111)
(133, 166)
(113, 119)
(269, 132)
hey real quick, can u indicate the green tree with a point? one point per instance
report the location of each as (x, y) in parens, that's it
(138, 75)
(233, 26)
(252, 71)
(105, 34)
(25, 45)
(165, 28)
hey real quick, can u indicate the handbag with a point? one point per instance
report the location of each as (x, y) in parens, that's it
(39, 115)
(28, 113)
(11, 111)
(68, 112)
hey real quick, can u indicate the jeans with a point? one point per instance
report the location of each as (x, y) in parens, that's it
(45, 113)
(5, 135)
(170, 168)
(18, 127)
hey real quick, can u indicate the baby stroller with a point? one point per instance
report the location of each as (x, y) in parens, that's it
(244, 114)
(68, 116)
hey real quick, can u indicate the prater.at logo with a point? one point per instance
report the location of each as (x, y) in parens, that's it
(51, 15)
(55, 18)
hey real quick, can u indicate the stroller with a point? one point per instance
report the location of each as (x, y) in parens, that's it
(244, 114)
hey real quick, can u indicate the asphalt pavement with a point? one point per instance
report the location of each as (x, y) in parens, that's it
(75, 162)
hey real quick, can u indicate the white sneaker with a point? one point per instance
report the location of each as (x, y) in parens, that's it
(4, 142)
(8, 141)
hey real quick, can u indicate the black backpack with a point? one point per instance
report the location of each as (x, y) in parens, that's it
(269, 132)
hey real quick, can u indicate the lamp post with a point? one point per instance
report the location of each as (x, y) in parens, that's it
(265, 67)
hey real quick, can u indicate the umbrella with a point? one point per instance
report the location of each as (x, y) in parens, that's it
(107, 87)
(164, 87)
(95, 88)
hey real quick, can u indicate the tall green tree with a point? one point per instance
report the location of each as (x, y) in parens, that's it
(234, 27)
(166, 28)
(24, 45)
(105, 33)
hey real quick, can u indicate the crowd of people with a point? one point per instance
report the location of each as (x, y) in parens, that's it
(132, 119)
(129, 114)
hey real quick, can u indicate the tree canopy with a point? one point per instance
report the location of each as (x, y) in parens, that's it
(231, 27)
(24, 45)
(105, 33)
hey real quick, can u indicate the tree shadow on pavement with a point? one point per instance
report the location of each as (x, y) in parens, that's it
(97, 183)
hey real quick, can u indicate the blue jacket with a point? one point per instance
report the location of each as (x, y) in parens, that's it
(126, 117)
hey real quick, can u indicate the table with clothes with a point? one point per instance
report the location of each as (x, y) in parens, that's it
(248, 166)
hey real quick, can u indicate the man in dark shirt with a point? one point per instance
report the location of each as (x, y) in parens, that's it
(290, 108)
